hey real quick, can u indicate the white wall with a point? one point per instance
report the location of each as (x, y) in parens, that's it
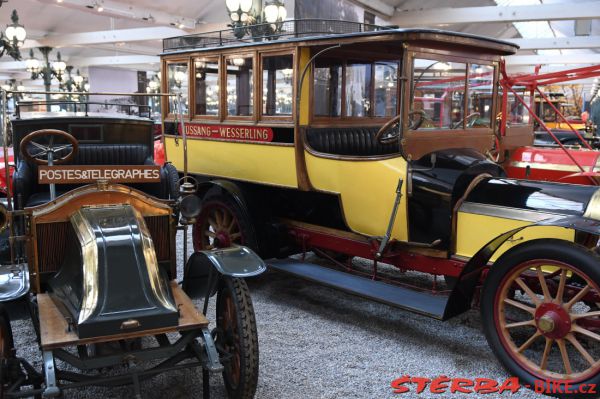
(112, 80)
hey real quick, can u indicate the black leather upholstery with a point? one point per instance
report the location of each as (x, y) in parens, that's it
(29, 193)
(112, 154)
(354, 141)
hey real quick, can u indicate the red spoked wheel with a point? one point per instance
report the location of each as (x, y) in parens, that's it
(236, 338)
(221, 224)
(541, 315)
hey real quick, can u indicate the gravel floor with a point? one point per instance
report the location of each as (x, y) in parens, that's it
(320, 343)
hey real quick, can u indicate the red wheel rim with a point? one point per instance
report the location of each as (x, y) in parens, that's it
(549, 314)
(217, 227)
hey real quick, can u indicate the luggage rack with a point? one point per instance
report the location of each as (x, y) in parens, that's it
(296, 28)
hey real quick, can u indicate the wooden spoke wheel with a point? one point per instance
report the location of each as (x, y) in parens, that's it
(220, 225)
(236, 338)
(541, 315)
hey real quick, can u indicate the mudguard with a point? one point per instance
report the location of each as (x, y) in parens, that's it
(203, 268)
(462, 294)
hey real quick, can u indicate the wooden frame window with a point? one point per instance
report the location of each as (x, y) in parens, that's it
(277, 85)
(355, 89)
(206, 93)
(239, 85)
(177, 81)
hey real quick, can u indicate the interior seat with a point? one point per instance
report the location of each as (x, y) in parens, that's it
(351, 141)
(28, 192)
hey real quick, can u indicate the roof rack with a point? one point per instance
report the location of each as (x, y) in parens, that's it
(295, 28)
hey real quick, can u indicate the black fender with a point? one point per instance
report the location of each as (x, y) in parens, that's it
(204, 268)
(461, 296)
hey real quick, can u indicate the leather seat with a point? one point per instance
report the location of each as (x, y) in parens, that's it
(352, 141)
(29, 193)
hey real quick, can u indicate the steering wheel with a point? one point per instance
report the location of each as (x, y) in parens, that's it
(392, 136)
(469, 119)
(42, 154)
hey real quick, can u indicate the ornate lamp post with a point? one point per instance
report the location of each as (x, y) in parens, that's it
(13, 37)
(243, 16)
(46, 70)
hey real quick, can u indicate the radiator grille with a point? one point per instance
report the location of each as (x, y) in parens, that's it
(52, 239)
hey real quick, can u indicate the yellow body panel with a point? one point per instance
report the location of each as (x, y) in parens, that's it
(367, 190)
(304, 94)
(474, 231)
(268, 164)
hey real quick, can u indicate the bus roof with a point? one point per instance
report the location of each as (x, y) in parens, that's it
(318, 30)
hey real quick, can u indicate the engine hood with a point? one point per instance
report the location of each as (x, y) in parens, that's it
(532, 200)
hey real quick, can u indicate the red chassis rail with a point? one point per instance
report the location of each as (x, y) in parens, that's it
(309, 237)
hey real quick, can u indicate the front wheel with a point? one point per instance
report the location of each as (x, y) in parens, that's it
(541, 315)
(236, 338)
(6, 350)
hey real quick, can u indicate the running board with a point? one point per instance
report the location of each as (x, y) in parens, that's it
(415, 301)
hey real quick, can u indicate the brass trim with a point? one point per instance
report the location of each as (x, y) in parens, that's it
(505, 212)
(592, 210)
(89, 252)
(158, 284)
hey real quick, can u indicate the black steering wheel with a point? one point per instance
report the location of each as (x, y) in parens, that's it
(391, 130)
(49, 153)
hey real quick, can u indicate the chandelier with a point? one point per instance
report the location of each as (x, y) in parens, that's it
(265, 21)
(13, 37)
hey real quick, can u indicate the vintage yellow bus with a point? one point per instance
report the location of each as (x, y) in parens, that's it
(351, 140)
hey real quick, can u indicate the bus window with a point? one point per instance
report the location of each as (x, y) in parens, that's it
(438, 90)
(277, 77)
(358, 89)
(239, 86)
(206, 76)
(481, 84)
(327, 97)
(517, 112)
(386, 88)
(178, 82)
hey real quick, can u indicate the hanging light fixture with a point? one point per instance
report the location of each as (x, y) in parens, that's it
(13, 37)
(268, 18)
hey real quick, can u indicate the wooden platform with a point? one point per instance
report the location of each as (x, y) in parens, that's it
(53, 326)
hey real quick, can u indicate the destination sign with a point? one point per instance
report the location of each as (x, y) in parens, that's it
(229, 132)
(74, 174)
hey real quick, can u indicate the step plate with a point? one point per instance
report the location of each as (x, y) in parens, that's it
(405, 298)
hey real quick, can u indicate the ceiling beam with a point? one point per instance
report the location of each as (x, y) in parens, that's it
(576, 42)
(569, 59)
(117, 9)
(473, 15)
(118, 60)
(105, 36)
(378, 6)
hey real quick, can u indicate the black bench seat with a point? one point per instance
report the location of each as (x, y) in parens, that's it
(351, 141)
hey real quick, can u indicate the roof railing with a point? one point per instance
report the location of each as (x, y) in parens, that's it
(296, 28)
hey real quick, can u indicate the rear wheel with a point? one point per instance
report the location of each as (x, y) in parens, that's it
(236, 338)
(541, 315)
(221, 224)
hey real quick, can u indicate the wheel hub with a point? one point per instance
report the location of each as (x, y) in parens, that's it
(553, 321)
(222, 240)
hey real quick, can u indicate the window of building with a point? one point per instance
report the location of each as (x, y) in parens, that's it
(481, 91)
(178, 83)
(206, 76)
(240, 86)
(328, 89)
(438, 94)
(277, 84)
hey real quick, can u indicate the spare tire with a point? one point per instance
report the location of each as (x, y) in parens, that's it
(172, 177)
